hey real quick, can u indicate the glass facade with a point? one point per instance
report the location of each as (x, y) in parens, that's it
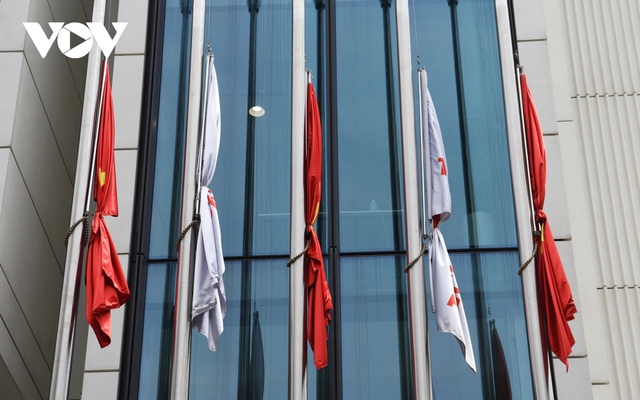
(351, 49)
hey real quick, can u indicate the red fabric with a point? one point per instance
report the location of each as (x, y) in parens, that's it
(105, 191)
(319, 297)
(555, 302)
(107, 287)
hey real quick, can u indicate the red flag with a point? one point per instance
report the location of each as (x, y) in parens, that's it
(320, 304)
(555, 302)
(107, 287)
(105, 191)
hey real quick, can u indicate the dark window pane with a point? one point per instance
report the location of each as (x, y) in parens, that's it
(474, 132)
(170, 132)
(252, 178)
(157, 339)
(370, 189)
(492, 296)
(255, 286)
(375, 329)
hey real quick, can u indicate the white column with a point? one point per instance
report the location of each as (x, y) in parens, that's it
(417, 292)
(60, 374)
(519, 181)
(182, 321)
(297, 341)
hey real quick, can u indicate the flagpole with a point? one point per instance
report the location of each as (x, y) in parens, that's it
(416, 277)
(181, 357)
(297, 339)
(520, 194)
(61, 371)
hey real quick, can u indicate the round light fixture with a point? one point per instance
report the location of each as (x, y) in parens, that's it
(256, 111)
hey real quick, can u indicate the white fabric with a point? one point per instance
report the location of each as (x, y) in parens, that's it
(446, 301)
(435, 178)
(209, 299)
(445, 297)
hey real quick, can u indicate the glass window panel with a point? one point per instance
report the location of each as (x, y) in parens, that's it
(480, 186)
(157, 336)
(251, 286)
(251, 183)
(375, 329)
(316, 61)
(368, 130)
(491, 292)
(170, 127)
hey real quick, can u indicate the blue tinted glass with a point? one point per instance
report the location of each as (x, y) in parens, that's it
(474, 131)
(491, 292)
(170, 128)
(375, 329)
(251, 182)
(371, 205)
(157, 337)
(260, 287)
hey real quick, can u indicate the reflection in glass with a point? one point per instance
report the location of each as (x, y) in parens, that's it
(375, 329)
(371, 208)
(214, 375)
(155, 363)
(470, 109)
(170, 130)
(503, 305)
(252, 175)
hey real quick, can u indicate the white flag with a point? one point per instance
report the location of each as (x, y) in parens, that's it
(209, 299)
(446, 301)
(445, 297)
(436, 178)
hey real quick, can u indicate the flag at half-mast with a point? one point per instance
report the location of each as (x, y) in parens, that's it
(556, 306)
(209, 298)
(107, 287)
(446, 301)
(319, 297)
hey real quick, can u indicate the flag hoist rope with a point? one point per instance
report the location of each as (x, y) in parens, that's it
(306, 239)
(425, 211)
(195, 222)
(92, 168)
(60, 374)
(537, 230)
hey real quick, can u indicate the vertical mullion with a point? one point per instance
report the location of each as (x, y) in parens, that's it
(333, 209)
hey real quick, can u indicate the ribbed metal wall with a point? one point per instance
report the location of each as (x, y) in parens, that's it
(621, 325)
(603, 39)
(609, 128)
(603, 44)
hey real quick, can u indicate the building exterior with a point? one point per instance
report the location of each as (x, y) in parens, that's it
(581, 61)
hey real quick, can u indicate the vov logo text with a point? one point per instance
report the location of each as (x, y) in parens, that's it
(89, 32)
